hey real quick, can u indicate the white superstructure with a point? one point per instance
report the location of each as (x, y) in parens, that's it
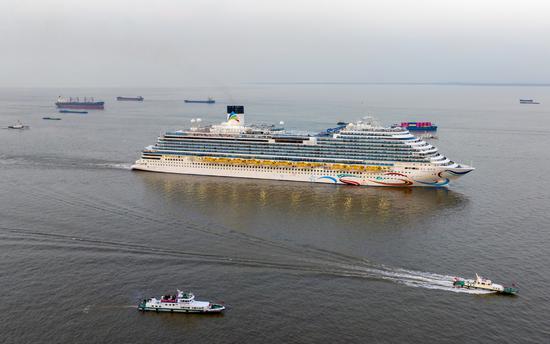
(360, 153)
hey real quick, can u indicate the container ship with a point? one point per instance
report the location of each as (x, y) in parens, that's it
(418, 126)
(77, 103)
(136, 99)
(359, 153)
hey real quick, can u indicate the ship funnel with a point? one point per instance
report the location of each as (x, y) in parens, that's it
(235, 115)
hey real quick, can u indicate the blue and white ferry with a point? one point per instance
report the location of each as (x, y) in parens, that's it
(182, 302)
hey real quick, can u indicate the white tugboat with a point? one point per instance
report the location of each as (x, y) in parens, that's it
(484, 284)
(182, 302)
(19, 126)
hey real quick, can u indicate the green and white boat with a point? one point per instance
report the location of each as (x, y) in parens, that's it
(483, 284)
(183, 302)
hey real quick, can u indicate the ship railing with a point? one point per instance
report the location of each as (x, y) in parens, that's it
(380, 162)
(289, 153)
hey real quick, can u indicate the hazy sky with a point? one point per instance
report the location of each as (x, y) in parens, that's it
(185, 42)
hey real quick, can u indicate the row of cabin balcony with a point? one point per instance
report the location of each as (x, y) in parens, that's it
(293, 157)
(287, 146)
(294, 150)
(302, 141)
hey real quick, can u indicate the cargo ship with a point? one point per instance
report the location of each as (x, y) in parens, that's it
(418, 126)
(210, 100)
(77, 103)
(528, 101)
(72, 111)
(136, 99)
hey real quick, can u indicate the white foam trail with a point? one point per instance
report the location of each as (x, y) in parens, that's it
(122, 166)
(363, 269)
(411, 278)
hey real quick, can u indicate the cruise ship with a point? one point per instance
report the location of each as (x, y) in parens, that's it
(359, 153)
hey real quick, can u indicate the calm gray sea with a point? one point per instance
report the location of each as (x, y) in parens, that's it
(83, 238)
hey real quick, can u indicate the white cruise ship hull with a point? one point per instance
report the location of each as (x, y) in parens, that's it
(405, 175)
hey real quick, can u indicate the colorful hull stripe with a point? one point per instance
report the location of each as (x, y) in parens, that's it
(440, 183)
(456, 173)
(329, 178)
(405, 181)
(351, 179)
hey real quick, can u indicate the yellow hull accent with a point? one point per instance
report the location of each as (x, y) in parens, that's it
(281, 163)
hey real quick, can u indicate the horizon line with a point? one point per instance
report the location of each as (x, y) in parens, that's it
(406, 83)
(382, 83)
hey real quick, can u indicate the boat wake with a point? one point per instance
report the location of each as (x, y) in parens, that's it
(60, 162)
(358, 269)
(412, 278)
(120, 166)
(283, 256)
(89, 308)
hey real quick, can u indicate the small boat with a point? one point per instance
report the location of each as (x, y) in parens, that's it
(342, 123)
(483, 284)
(528, 101)
(52, 118)
(18, 126)
(136, 99)
(418, 126)
(72, 111)
(210, 100)
(183, 302)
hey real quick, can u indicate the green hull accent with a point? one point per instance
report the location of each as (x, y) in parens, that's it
(510, 291)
